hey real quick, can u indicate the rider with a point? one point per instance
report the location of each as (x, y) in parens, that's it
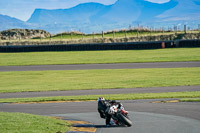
(104, 106)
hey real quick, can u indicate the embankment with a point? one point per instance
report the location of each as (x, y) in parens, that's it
(149, 38)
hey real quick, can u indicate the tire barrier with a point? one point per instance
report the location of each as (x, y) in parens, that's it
(103, 46)
(187, 43)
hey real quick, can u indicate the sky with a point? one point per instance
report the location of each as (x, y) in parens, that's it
(22, 9)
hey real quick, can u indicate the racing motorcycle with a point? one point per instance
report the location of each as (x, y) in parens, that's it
(119, 116)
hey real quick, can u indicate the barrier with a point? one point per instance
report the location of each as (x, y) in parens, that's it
(103, 46)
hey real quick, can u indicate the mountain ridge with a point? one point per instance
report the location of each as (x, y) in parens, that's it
(123, 11)
(77, 13)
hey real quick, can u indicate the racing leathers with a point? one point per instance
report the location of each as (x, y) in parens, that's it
(103, 108)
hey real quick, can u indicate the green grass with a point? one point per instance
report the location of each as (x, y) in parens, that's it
(27, 123)
(131, 96)
(190, 100)
(91, 57)
(116, 34)
(119, 34)
(97, 79)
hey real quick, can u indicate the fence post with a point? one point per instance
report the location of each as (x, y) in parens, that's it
(199, 27)
(163, 31)
(175, 29)
(19, 36)
(185, 29)
(113, 34)
(24, 35)
(150, 34)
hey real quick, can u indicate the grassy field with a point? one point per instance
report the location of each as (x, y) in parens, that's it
(111, 34)
(27, 123)
(131, 96)
(97, 79)
(118, 34)
(91, 57)
(27, 81)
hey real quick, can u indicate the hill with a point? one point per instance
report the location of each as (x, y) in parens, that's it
(80, 13)
(123, 11)
(7, 22)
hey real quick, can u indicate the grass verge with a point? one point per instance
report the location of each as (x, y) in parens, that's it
(97, 57)
(190, 100)
(27, 81)
(131, 96)
(28, 123)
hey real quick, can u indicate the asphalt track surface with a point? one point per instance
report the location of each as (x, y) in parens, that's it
(142, 123)
(146, 116)
(102, 66)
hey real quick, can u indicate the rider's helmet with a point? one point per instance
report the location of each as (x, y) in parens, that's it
(101, 99)
(113, 102)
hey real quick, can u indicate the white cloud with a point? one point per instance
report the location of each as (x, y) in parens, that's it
(158, 1)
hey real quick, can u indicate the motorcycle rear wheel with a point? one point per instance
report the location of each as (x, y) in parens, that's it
(124, 120)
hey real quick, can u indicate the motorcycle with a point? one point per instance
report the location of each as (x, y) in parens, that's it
(119, 116)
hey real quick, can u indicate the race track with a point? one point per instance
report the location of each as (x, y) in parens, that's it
(147, 116)
(102, 66)
(142, 123)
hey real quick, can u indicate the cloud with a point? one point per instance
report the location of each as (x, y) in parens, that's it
(158, 1)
